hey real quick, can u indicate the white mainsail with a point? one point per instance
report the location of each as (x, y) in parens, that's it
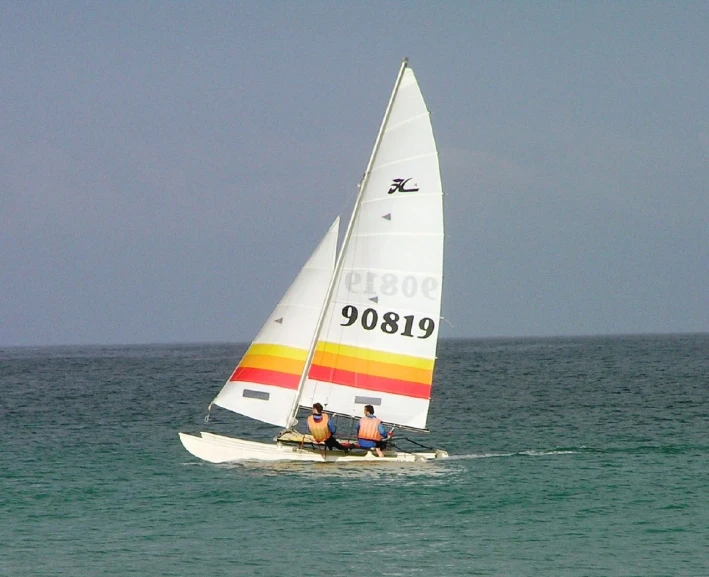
(377, 343)
(264, 385)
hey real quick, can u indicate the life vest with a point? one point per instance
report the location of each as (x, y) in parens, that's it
(319, 430)
(369, 429)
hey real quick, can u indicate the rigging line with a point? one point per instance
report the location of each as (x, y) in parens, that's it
(419, 444)
(397, 447)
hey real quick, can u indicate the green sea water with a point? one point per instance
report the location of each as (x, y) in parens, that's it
(569, 457)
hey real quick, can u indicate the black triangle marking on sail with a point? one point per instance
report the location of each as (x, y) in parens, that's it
(279, 321)
(374, 299)
(387, 216)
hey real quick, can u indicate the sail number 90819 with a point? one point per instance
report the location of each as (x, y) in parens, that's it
(389, 284)
(390, 322)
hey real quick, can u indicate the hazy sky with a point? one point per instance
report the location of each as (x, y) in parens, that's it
(166, 168)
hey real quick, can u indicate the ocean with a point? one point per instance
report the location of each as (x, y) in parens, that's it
(569, 457)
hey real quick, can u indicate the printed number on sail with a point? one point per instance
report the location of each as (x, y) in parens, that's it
(391, 323)
(390, 284)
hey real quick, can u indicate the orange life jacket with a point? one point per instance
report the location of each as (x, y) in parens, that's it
(319, 430)
(369, 429)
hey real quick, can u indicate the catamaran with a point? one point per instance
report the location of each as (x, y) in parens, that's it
(360, 326)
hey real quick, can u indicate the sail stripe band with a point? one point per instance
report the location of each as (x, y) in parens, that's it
(266, 377)
(374, 355)
(277, 351)
(362, 368)
(270, 363)
(370, 382)
(373, 368)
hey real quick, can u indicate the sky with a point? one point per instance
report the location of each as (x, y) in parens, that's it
(167, 167)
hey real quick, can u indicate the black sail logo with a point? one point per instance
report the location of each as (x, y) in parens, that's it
(399, 185)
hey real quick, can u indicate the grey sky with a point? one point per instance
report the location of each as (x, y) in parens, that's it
(166, 168)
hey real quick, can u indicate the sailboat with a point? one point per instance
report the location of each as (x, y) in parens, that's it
(360, 326)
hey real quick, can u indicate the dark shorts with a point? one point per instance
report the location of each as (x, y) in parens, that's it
(332, 443)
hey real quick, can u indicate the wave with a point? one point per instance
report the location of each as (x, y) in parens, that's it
(527, 453)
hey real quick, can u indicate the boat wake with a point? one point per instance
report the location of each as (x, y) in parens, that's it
(529, 453)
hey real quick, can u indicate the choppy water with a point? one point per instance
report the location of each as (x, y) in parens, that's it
(578, 456)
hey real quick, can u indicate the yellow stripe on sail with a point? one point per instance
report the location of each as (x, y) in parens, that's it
(269, 363)
(376, 356)
(280, 351)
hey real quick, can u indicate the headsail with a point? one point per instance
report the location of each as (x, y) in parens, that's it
(265, 383)
(377, 344)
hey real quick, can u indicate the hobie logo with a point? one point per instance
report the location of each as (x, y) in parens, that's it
(399, 185)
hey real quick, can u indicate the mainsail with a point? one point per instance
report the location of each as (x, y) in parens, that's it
(377, 341)
(264, 385)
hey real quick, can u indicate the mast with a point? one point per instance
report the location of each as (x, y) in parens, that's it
(348, 233)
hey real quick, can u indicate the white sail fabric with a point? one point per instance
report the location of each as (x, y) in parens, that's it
(377, 344)
(265, 383)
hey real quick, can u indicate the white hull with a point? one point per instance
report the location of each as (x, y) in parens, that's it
(219, 449)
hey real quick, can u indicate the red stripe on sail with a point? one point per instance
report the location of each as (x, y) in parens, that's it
(370, 382)
(266, 377)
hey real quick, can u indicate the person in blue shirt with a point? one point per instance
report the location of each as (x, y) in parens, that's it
(323, 429)
(371, 433)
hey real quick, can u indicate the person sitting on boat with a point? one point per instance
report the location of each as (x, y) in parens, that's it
(323, 430)
(371, 433)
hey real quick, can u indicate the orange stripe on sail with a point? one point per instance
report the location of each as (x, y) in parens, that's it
(370, 382)
(373, 368)
(271, 363)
